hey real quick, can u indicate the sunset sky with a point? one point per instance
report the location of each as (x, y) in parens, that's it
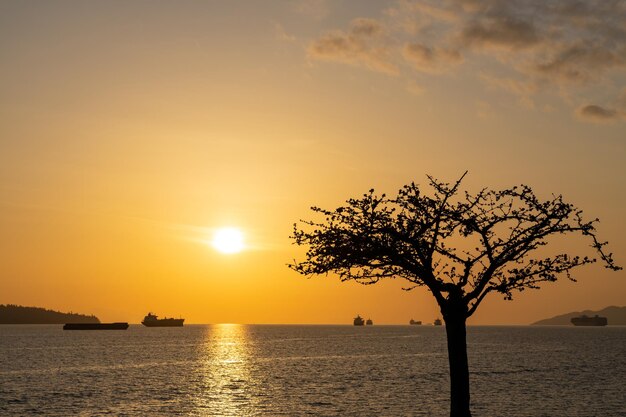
(131, 131)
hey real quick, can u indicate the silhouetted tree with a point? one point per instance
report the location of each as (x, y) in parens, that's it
(460, 246)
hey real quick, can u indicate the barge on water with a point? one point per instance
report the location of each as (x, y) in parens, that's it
(95, 326)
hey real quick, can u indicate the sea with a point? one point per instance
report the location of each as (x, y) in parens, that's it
(317, 370)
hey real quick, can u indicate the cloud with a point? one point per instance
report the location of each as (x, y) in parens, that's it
(605, 114)
(595, 113)
(500, 32)
(366, 27)
(364, 44)
(528, 48)
(431, 59)
(580, 62)
(523, 89)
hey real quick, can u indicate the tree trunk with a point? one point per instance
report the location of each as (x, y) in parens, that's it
(457, 357)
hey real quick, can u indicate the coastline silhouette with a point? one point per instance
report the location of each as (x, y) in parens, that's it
(15, 314)
(616, 316)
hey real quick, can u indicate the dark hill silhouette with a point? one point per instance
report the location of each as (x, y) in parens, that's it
(616, 316)
(14, 314)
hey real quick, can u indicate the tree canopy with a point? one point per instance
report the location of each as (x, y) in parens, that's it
(457, 244)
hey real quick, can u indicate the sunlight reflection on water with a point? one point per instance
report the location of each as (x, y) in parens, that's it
(225, 370)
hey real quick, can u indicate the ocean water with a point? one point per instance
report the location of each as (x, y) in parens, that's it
(241, 370)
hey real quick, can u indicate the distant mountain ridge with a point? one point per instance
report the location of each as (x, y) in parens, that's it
(616, 316)
(14, 314)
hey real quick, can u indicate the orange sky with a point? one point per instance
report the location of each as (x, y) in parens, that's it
(131, 131)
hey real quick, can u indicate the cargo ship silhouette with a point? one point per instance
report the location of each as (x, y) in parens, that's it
(589, 321)
(152, 320)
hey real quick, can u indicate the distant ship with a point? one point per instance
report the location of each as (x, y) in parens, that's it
(95, 326)
(437, 322)
(358, 321)
(152, 320)
(589, 321)
(369, 322)
(415, 323)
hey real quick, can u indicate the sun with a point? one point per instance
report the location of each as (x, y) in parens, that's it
(228, 240)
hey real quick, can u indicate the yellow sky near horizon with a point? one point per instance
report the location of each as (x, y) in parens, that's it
(129, 132)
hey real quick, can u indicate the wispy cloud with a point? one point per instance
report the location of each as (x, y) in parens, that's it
(580, 62)
(363, 44)
(616, 110)
(500, 31)
(431, 59)
(597, 113)
(561, 47)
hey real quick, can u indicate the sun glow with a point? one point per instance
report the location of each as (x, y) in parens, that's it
(228, 240)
